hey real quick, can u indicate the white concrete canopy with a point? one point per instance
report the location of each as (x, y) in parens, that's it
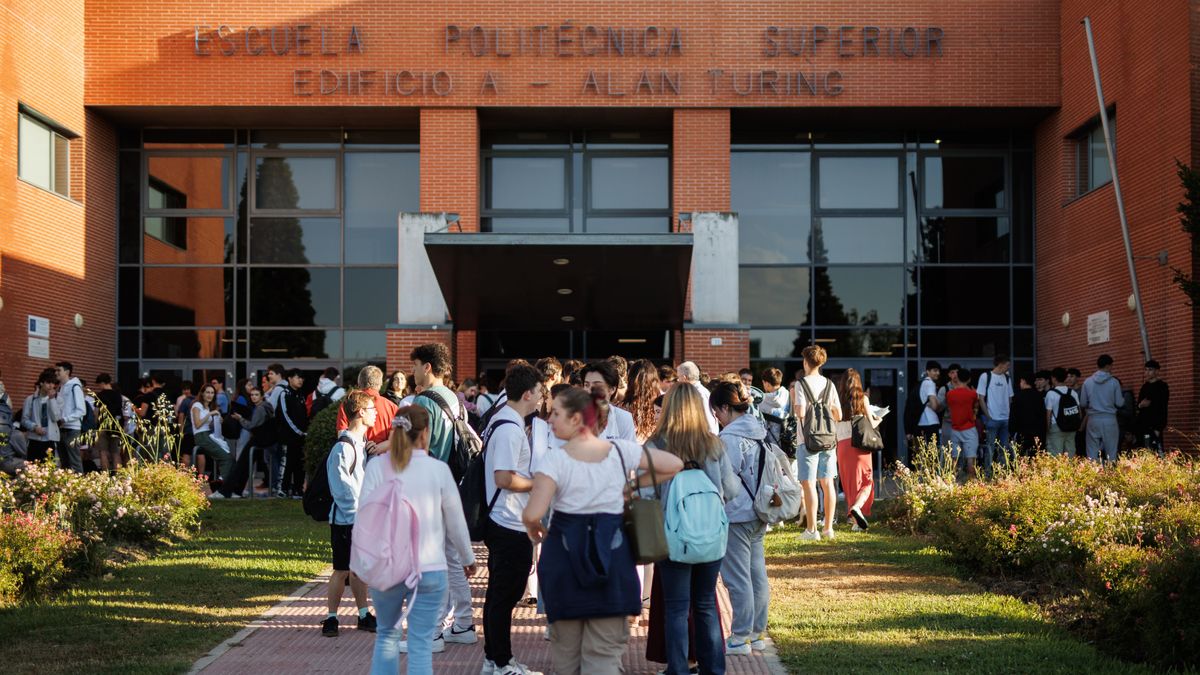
(420, 298)
(714, 268)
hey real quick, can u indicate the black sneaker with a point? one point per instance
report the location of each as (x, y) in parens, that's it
(859, 518)
(329, 627)
(367, 623)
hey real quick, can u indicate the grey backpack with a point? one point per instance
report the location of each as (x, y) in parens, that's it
(818, 428)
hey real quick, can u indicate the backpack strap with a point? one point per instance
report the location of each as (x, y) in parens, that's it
(487, 438)
(809, 397)
(649, 462)
(441, 403)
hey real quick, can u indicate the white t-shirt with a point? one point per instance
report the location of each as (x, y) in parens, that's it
(998, 391)
(928, 416)
(817, 383)
(199, 412)
(591, 487)
(542, 441)
(619, 425)
(776, 402)
(507, 450)
(1052, 397)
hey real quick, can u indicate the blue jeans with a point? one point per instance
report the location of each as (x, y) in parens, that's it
(693, 586)
(744, 570)
(424, 619)
(997, 432)
(274, 458)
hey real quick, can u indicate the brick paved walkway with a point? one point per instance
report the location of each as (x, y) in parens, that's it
(287, 639)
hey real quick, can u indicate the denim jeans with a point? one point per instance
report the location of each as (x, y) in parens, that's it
(205, 442)
(274, 455)
(693, 586)
(68, 450)
(997, 432)
(423, 623)
(744, 570)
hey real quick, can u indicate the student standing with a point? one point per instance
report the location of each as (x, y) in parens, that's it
(293, 427)
(1058, 441)
(855, 464)
(40, 417)
(430, 488)
(1153, 399)
(963, 402)
(586, 481)
(508, 482)
(107, 447)
(1028, 421)
(601, 378)
(996, 392)
(1100, 398)
(744, 568)
(641, 399)
(929, 422)
(345, 469)
(206, 427)
(73, 406)
(814, 467)
(689, 373)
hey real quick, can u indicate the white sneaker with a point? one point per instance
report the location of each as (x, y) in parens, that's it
(439, 645)
(758, 644)
(828, 534)
(515, 667)
(466, 636)
(737, 647)
(216, 495)
(489, 668)
(546, 633)
(810, 535)
(855, 528)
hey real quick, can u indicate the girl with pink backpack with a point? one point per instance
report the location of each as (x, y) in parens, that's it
(408, 510)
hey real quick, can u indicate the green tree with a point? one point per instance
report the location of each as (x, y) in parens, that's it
(1189, 218)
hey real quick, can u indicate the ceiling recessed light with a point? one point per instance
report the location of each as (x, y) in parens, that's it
(565, 291)
(937, 141)
(632, 341)
(568, 318)
(562, 261)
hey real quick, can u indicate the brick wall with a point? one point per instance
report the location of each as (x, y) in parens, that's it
(731, 355)
(401, 342)
(450, 164)
(1146, 60)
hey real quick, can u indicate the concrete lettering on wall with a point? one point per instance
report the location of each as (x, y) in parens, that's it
(567, 39)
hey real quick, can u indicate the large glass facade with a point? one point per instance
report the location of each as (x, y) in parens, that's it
(252, 246)
(901, 248)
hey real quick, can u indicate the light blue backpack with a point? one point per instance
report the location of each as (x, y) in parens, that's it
(696, 524)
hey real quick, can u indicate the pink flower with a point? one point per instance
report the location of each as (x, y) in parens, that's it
(1108, 585)
(1012, 529)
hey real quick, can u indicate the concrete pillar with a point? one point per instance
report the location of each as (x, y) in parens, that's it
(420, 298)
(713, 338)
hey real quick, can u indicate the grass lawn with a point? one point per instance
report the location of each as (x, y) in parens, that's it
(161, 614)
(881, 602)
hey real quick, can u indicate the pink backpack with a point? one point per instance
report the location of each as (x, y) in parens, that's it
(386, 539)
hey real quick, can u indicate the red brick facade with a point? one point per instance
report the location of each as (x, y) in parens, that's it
(401, 342)
(372, 63)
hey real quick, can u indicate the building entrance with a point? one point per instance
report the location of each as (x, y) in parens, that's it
(498, 347)
(884, 386)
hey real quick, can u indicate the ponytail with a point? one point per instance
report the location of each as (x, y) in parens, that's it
(407, 426)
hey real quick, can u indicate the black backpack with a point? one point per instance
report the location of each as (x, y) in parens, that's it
(785, 431)
(321, 401)
(482, 421)
(1068, 416)
(916, 408)
(317, 497)
(465, 444)
(472, 489)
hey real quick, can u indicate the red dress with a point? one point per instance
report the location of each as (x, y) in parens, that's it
(856, 472)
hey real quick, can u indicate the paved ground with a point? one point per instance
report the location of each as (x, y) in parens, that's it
(288, 640)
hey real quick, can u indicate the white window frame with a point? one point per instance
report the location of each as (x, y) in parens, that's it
(56, 136)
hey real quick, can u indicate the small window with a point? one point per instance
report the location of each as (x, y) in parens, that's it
(44, 156)
(1091, 158)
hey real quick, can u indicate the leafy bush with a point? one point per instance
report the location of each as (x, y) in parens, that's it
(322, 434)
(1122, 535)
(34, 552)
(163, 489)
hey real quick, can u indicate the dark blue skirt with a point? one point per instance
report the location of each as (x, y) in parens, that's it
(586, 568)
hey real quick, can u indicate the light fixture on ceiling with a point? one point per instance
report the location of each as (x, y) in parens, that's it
(631, 341)
(568, 318)
(565, 291)
(562, 261)
(825, 340)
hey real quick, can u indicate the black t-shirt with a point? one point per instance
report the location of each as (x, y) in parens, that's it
(1155, 415)
(111, 400)
(151, 398)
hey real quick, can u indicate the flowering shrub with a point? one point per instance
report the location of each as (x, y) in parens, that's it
(33, 555)
(1126, 537)
(139, 505)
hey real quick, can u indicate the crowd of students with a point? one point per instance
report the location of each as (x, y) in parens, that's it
(1055, 410)
(563, 448)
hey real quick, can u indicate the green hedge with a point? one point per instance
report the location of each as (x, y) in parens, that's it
(1126, 538)
(322, 434)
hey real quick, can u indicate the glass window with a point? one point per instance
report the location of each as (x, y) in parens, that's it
(370, 296)
(629, 225)
(1022, 207)
(527, 225)
(859, 182)
(630, 183)
(1023, 295)
(35, 160)
(129, 182)
(295, 240)
(176, 240)
(212, 343)
(127, 344)
(843, 343)
(187, 296)
(365, 346)
(770, 192)
(773, 296)
(1098, 170)
(188, 182)
(295, 344)
(526, 183)
(378, 187)
(778, 343)
(295, 183)
(858, 296)
(964, 343)
(129, 296)
(296, 139)
(181, 139)
(965, 239)
(1023, 342)
(964, 296)
(858, 240)
(295, 296)
(963, 182)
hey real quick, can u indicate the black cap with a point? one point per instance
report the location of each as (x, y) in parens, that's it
(1153, 364)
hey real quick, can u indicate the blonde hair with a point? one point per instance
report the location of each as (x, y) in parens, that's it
(406, 433)
(814, 356)
(683, 427)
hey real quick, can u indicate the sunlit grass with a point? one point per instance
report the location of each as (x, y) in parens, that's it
(881, 602)
(160, 614)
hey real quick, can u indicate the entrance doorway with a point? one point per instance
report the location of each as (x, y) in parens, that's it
(311, 370)
(884, 386)
(174, 373)
(498, 347)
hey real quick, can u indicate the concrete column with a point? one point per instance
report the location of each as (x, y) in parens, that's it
(715, 268)
(420, 298)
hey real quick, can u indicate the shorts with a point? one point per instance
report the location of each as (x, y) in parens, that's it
(339, 539)
(815, 465)
(965, 442)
